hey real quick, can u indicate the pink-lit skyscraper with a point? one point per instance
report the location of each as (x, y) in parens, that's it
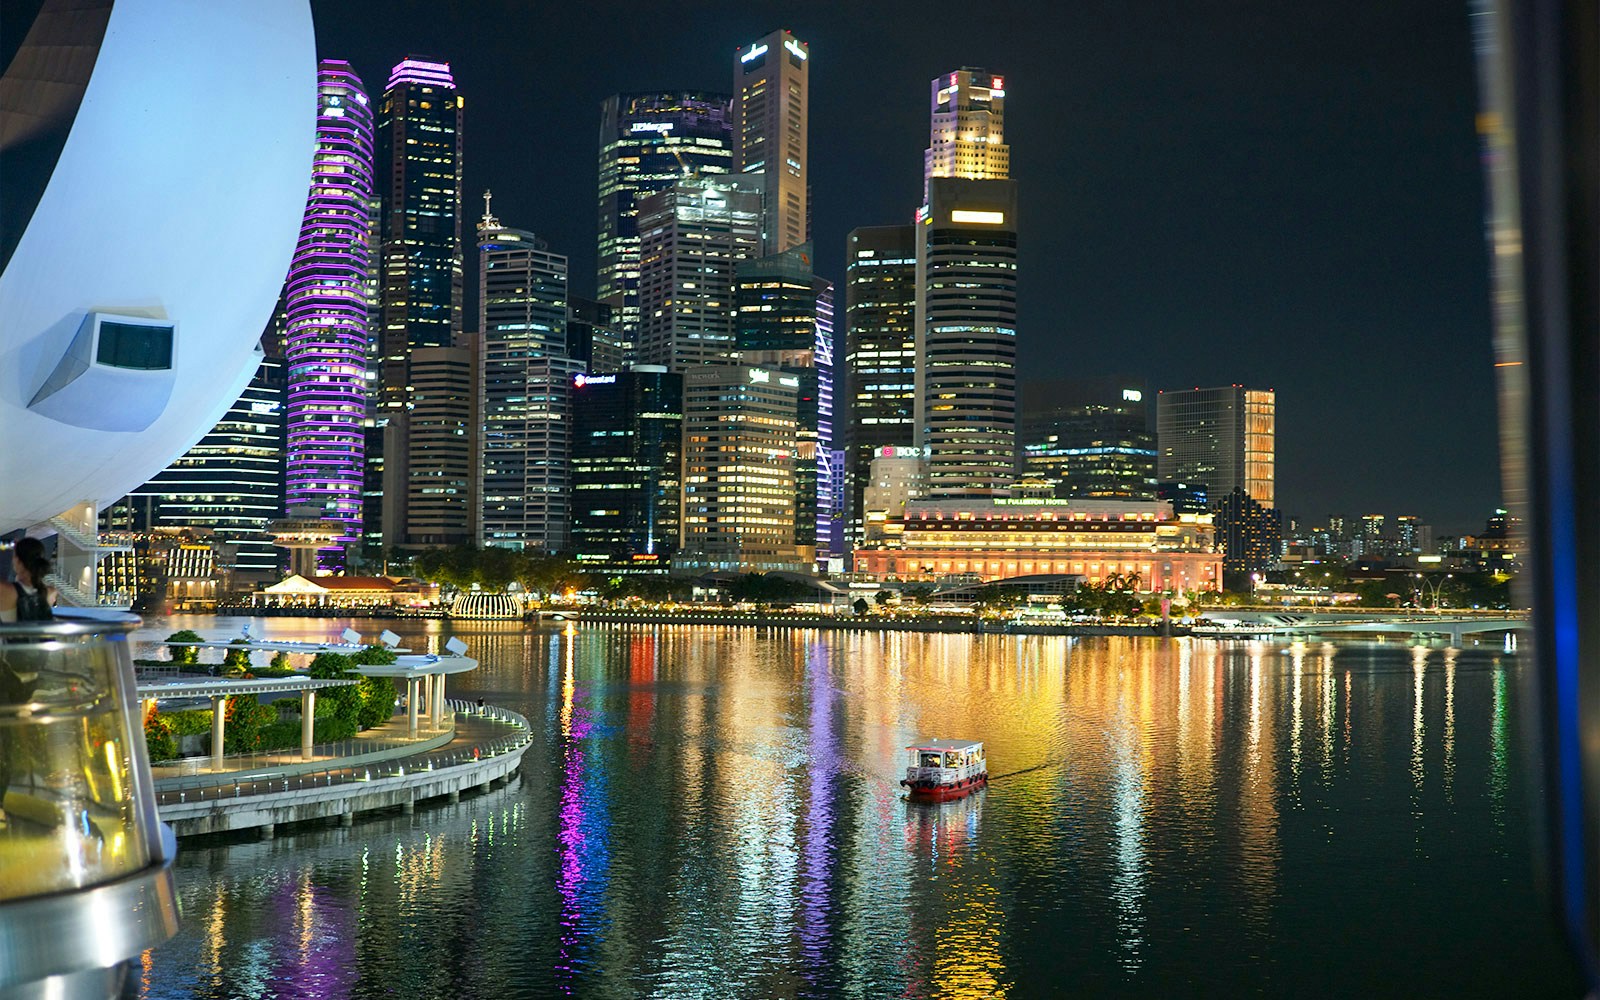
(326, 328)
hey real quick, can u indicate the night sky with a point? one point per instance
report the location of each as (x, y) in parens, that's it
(1283, 195)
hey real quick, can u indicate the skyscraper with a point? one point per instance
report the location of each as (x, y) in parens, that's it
(1248, 533)
(595, 337)
(967, 291)
(420, 148)
(784, 319)
(739, 432)
(648, 142)
(692, 235)
(880, 359)
(440, 436)
(327, 323)
(968, 128)
(771, 110)
(967, 336)
(229, 484)
(1091, 436)
(626, 471)
(522, 303)
(1222, 437)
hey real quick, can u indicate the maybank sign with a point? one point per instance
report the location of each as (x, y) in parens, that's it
(978, 218)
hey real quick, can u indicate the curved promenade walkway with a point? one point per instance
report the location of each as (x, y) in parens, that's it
(481, 749)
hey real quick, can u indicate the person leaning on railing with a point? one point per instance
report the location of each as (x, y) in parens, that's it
(29, 599)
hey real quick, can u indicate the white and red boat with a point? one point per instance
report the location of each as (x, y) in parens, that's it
(945, 769)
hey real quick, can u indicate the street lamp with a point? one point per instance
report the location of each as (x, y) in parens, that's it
(1431, 586)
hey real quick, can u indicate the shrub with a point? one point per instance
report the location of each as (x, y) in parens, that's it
(377, 693)
(332, 730)
(280, 661)
(184, 654)
(247, 717)
(191, 722)
(236, 662)
(280, 735)
(159, 740)
(286, 705)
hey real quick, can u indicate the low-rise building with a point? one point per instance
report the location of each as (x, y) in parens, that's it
(1137, 543)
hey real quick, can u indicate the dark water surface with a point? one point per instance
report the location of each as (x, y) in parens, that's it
(714, 813)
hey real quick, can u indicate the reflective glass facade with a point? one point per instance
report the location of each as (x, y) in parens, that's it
(648, 142)
(1223, 437)
(627, 456)
(880, 367)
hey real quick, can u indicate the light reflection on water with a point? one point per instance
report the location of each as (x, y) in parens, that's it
(714, 812)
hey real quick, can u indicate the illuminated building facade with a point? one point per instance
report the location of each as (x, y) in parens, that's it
(784, 319)
(648, 142)
(771, 113)
(525, 380)
(419, 150)
(626, 473)
(230, 484)
(1248, 533)
(1091, 437)
(894, 479)
(595, 338)
(966, 286)
(739, 432)
(440, 436)
(692, 236)
(996, 539)
(968, 128)
(880, 357)
(1223, 437)
(966, 396)
(326, 320)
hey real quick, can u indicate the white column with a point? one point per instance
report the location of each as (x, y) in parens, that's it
(444, 709)
(411, 705)
(308, 713)
(219, 719)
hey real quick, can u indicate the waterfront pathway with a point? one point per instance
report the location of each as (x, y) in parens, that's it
(385, 739)
(481, 748)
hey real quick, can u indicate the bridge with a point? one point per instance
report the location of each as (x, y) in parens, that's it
(1455, 625)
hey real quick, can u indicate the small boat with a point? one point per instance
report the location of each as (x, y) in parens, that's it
(945, 769)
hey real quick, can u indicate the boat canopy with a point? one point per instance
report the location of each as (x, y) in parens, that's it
(944, 746)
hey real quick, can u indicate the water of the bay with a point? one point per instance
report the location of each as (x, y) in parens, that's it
(713, 812)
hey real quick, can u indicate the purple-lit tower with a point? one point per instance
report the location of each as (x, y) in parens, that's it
(326, 316)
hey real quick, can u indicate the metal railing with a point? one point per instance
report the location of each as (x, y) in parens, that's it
(200, 765)
(517, 736)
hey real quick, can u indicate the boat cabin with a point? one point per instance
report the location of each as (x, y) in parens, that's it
(946, 753)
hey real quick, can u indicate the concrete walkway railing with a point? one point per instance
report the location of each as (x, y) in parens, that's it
(513, 735)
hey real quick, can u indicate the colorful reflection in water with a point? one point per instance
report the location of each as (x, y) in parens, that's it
(715, 813)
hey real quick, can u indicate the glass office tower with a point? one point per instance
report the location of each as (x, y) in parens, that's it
(627, 455)
(648, 142)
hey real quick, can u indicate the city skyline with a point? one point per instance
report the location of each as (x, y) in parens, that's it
(1128, 248)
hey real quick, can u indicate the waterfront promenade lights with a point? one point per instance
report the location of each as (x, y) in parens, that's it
(1433, 587)
(87, 864)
